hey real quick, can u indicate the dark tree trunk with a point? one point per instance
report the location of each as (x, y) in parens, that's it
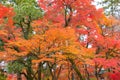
(39, 71)
(19, 76)
(76, 69)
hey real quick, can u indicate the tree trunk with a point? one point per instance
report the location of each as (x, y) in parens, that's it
(39, 71)
(76, 69)
(19, 76)
(87, 73)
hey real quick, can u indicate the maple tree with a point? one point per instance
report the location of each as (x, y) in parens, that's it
(57, 46)
(68, 14)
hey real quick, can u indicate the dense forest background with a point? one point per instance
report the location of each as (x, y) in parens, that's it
(59, 40)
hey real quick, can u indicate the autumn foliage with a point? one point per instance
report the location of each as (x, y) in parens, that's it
(73, 40)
